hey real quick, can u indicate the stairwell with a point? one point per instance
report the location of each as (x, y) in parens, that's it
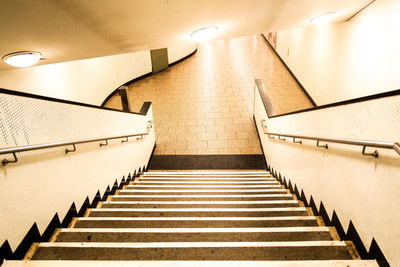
(197, 218)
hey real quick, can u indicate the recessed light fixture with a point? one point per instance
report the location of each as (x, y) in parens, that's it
(204, 34)
(325, 18)
(22, 58)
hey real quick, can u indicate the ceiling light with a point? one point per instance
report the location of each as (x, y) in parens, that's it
(204, 34)
(22, 59)
(325, 18)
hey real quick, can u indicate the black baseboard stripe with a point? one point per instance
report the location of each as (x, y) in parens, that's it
(393, 92)
(290, 72)
(143, 77)
(68, 217)
(151, 157)
(125, 84)
(374, 253)
(46, 98)
(342, 103)
(54, 223)
(33, 235)
(182, 59)
(335, 222)
(5, 252)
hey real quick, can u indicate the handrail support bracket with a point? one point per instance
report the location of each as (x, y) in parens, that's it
(297, 142)
(70, 150)
(374, 154)
(6, 161)
(105, 144)
(325, 146)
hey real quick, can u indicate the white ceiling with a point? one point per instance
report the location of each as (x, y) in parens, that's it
(65, 30)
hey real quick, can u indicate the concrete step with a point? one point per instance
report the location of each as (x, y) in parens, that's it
(125, 197)
(202, 191)
(203, 179)
(297, 250)
(198, 212)
(246, 234)
(208, 183)
(207, 187)
(215, 176)
(194, 222)
(314, 263)
(227, 172)
(201, 204)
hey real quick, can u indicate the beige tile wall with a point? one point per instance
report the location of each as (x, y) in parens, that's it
(203, 105)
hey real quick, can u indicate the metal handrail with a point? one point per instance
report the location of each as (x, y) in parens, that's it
(363, 143)
(14, 150)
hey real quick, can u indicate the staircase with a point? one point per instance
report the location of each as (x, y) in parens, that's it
(197, 218)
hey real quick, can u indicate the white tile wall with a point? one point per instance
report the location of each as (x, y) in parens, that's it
(47, 181)
(362, 189)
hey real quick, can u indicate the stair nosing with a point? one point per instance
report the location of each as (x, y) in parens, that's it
(206, 190)
(194, 244)
(201, 209)
(292, 201)
(280, 218)
(200, 230)
(202, 196)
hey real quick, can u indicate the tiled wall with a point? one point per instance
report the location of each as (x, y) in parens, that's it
(362, 189)
(204, 104)
(47, 181)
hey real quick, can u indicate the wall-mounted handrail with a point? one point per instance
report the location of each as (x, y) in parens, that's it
(14, 150)
(363, 143)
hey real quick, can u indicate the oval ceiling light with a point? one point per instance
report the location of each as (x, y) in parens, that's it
(204, 34)
(325, 18)
(22, 58)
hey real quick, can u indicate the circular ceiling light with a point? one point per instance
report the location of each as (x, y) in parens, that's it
(22, 58)
(325, 18)
(204, 34)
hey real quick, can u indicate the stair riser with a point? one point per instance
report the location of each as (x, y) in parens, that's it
(193, 224)
(208, 176)
(200, 179)
(186, 174)
(150, 198)
(193, 237)
(211, 253)
(165, 192)
(113, 205)
(195, 214)
(201, 187)
(206, 183)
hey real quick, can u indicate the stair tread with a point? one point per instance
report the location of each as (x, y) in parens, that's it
(282, 250)
(202, 178)
(318, 263)
(193, 222)
(139, 186)
(200, 218)
(207, 216)
(140, 182)
(198, 230)
(205, 190)
(194, 244)
(201, 209)
(205, 202)
(204, 196)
